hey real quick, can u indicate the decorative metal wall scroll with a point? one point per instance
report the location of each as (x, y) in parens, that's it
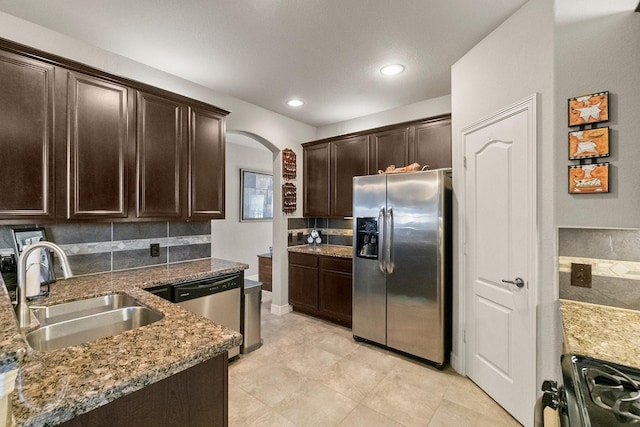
(288, 164)
(288, 198)
(289, 172)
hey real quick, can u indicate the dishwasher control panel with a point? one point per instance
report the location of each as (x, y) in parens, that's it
(203, 287)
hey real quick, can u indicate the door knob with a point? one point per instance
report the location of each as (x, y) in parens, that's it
(518, 282)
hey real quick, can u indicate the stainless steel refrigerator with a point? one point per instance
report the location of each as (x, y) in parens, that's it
(402, 262)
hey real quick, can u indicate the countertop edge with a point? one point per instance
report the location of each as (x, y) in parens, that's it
(193, 340)
(336, 251)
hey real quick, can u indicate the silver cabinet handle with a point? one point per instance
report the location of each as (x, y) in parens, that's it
(518, 282)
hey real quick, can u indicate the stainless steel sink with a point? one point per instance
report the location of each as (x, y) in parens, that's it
(77, 322)
(74, 309)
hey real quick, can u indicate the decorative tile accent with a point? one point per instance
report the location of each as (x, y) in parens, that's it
(94, 248)
(603, 267)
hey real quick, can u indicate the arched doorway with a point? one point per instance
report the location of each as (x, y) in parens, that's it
(243, 241)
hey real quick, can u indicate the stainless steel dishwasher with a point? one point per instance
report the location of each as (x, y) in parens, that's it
(216, 298)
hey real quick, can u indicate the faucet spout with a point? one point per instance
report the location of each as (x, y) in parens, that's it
(22, 310)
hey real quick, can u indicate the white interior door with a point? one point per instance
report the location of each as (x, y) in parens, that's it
(500, 215)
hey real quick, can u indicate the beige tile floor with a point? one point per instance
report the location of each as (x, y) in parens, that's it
(312, 373)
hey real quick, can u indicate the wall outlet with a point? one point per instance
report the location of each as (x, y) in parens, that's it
(155, 249)
(581, 275)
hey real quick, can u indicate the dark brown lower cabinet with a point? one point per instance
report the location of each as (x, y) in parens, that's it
(321, 286)
(264, 271)
(195, 397)
(335, 289)
(303, 282)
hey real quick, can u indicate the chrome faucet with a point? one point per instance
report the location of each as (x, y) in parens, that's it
(22, 309)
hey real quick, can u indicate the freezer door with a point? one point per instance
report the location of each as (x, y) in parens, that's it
(415, 285)
(369, 289)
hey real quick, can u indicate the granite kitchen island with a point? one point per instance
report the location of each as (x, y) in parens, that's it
(57, 386)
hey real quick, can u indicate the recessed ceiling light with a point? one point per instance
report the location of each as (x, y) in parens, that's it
(295, 103)
(392, 70)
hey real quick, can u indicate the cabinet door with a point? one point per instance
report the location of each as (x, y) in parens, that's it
(206, 165)
(432, 144)
(303, 282)
(26, 138)
(335, 290)
(316, 180)
(388, 148)
(264, 272)
(159, 156)
(98, 144)
(349, 158)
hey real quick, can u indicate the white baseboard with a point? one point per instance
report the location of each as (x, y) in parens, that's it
(281, 309)
(455, 363)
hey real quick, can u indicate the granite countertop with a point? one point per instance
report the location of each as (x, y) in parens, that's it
(326, 250)
(267, 255)
(602, 332)
(55, 386)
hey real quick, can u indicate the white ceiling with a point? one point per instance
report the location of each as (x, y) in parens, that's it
(325, 52)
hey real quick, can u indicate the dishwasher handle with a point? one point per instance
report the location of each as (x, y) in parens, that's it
(207, 283)
(203, 288)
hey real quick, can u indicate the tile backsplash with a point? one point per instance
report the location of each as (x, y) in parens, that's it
(332, 231)
(614, 256)
(97, 248)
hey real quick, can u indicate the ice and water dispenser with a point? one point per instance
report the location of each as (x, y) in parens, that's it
(367, 237)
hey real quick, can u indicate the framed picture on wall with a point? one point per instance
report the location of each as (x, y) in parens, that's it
(589, 179)
(588, 109)
(589, 143)
(256, 196)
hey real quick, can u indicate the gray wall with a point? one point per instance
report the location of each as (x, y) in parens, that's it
(596, 50)
(235, 240)
(513, 62)
(419, 110)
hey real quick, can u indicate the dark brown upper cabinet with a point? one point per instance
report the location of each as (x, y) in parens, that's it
(431, 144)
(316, 178)
(81, 144)
(389, 147)
(26, 138)
(330, 164)
(329, 168)
(160, 156)
(206, 164)
(98, 148)
(348, 159)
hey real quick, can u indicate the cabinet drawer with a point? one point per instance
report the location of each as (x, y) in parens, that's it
(335, 264)
(303, 259)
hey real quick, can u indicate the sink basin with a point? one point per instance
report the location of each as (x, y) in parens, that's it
(87, 320)
(75, 309)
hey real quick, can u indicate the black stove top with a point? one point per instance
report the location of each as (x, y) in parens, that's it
(600, 393)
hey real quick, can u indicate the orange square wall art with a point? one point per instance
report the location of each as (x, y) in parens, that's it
(587, 109)
(586, 179)
(590, 143)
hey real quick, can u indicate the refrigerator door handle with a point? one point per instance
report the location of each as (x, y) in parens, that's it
(389, 239)
(381, 240)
